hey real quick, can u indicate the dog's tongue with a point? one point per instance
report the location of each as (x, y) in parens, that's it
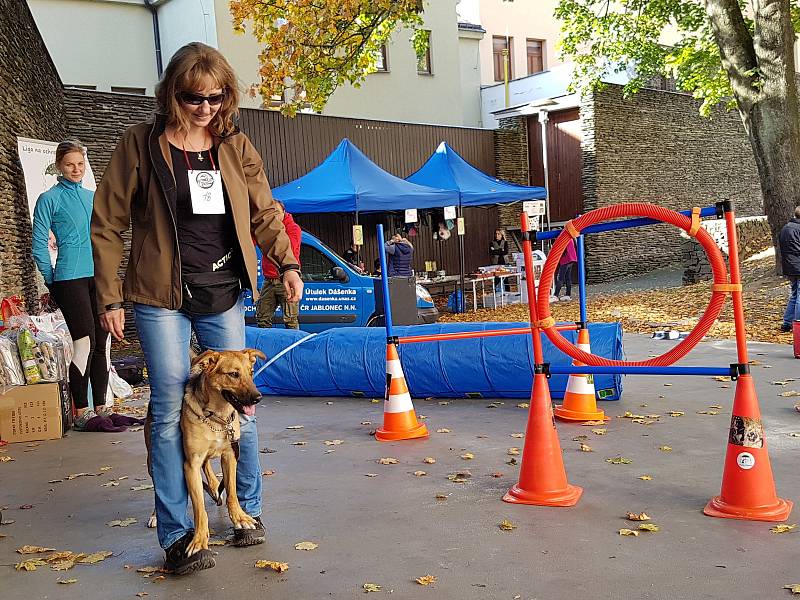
(250, 410)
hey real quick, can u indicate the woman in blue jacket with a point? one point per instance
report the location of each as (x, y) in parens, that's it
(66, 210)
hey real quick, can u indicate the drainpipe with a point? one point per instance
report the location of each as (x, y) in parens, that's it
(543, 118)
(156, 36)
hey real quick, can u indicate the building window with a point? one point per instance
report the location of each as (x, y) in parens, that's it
(382, 59)
(128, 90)
(499, 44)
(535, 56)
(81, 87)
(424, 54)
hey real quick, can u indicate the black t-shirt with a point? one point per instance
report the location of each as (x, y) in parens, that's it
(207, 242)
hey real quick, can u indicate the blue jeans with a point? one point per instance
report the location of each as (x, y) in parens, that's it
(164, 335)
(792, 312)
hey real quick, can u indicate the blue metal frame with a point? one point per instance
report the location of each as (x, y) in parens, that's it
(387, 302)
(582, 279)
(550, 235)
(631, 370)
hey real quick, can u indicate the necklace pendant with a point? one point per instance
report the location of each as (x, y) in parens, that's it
(200, 156)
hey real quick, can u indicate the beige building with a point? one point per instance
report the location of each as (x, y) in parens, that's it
(111, 45)
(526, 28)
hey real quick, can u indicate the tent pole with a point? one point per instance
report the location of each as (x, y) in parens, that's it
(352, 240)
(462, 303)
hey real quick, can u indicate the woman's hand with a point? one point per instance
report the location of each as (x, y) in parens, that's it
(293, 285)
(113, 321)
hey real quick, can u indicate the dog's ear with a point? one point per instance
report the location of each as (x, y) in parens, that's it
(254, 354)
(204, 362)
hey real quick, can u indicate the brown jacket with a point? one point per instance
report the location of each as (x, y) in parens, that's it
(138, 190)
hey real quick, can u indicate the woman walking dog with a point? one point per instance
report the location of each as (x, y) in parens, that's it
(193, 189)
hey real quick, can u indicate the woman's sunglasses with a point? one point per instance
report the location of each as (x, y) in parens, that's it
(197, 99)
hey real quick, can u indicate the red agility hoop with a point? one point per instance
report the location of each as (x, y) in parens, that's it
(658, 213)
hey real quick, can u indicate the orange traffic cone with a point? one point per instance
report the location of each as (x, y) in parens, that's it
(542, 478)
(748, 489)
(399, 418)
(579, 399)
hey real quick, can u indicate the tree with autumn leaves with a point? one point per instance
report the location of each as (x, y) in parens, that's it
(311, 47)
(736, 52)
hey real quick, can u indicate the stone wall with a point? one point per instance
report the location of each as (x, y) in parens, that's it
(752, 233)
(100, 118)
(32, 97)
(511, 163)
(654, 147)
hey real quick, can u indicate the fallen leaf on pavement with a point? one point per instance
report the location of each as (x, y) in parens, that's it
(426, 579)
(268, 473)
(619, 460)
(419, 473)
(306, 546)
(628, 532)
(631, 516)
(333, 442)
(783, 528)
(34, 550)
(299, 443)
(148, 571)
(717, 406)
(580, 438)
(497, 474)
(506, 525)
(468, 456)
(121, 523)
(523, 405)
(648, 527)
(592, 423)
(6, 459)
(67, 581)
(794, 587)
(142, 488)
(441, 496)
(443, 430)
(429, 460)
(645, 477)
(295, 427)
(665, 448)
(513, 452)
(280, 567)
(106, 468)
(217, 542)
(387, 461)
(371, 587)
(676, 413)
(789, 394)
(29, 565)
(95, 557)
(586, 448)
(599, 431)
(370, 474)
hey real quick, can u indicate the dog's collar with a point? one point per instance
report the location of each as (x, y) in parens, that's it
(227, 426)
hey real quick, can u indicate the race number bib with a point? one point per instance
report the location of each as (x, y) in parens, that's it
(206, 191)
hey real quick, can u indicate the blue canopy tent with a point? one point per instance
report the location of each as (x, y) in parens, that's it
(446, 169)
(348, 181)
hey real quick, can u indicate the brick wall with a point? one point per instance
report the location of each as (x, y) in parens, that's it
(655, 147)
(31, 94)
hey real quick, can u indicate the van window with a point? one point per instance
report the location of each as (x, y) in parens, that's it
(315, 265)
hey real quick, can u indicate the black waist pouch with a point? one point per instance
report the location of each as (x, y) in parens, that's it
(210, 293)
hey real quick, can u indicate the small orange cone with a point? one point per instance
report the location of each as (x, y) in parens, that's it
(399, 418)
(542, 478)
(580, 403)
(748, 489)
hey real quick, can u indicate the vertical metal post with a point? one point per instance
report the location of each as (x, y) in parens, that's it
(736, 277)
(387, 303)
(538, 354)
(582, 278)
(543, 118)
(505, 73)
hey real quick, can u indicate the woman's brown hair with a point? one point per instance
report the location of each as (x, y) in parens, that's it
(68, 146)
(189, 69)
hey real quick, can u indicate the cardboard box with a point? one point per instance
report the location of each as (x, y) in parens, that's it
(30, 413)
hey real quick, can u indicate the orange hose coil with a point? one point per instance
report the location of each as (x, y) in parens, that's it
(634, 209)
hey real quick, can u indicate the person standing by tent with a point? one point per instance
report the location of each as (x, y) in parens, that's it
(66, 209)
(192, 189)
(789, 242)
(498, 251)
(273, 292)
(400, 253)
(566, 263)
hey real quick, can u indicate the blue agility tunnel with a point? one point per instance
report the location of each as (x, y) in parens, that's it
(352, 362)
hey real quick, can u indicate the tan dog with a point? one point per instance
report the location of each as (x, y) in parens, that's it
(220, 387)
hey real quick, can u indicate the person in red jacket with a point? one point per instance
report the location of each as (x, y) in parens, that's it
(273, 290)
